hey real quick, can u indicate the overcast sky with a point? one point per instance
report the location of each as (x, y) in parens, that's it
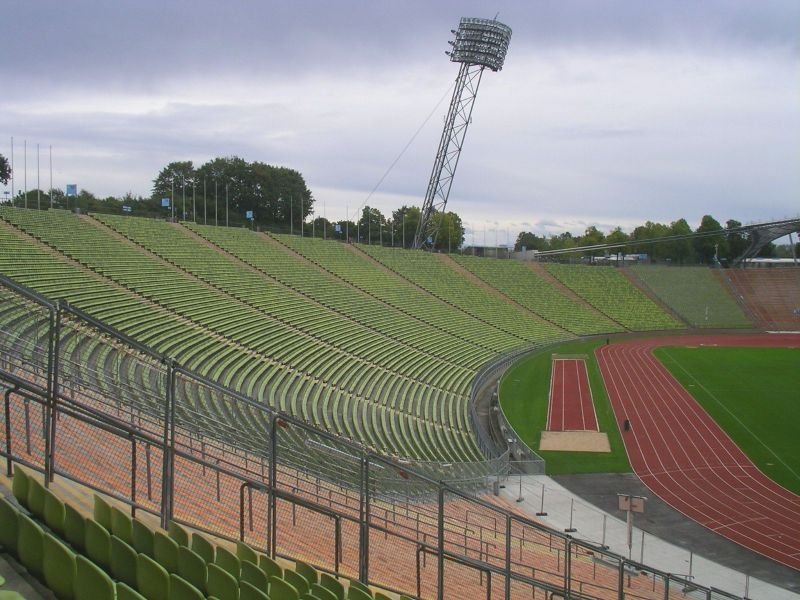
(606, 112)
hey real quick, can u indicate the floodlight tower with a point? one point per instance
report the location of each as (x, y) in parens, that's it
(479, 43)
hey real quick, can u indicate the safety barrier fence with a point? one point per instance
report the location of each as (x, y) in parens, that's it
(85, 403)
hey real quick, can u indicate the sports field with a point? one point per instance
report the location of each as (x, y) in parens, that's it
(524, 395)
(754, 395)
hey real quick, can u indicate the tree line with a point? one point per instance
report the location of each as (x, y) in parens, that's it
(232, 191)
(726, 245)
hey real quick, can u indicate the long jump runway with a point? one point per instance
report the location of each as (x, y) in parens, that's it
(687, 460)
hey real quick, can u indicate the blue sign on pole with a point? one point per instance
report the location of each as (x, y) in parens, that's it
(338, 228)
(165, 202)
(72, 189)
(126, 208)
(249, 215)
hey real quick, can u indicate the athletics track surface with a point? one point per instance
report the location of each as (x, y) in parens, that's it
(684, 457)
(571, 407)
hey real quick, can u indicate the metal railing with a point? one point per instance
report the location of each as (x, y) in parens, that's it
(92, 406)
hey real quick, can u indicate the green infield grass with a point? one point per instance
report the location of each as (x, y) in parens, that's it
(524, 394)
(754, 395)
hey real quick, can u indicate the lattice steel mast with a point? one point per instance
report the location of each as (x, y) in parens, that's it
(479, 43)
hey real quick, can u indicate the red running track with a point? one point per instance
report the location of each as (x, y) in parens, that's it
(686, 459)
(571, 407)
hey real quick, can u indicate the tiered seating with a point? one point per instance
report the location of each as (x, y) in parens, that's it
(111, 555)
(694, 293)
(426, 271)
(393, 376)
(407, 298)
(514, 279)
(276, 362)
(309, 280)
(771, 294)
(285, 304)
(610, 292)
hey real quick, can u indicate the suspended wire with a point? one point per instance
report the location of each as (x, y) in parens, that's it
(403, 151)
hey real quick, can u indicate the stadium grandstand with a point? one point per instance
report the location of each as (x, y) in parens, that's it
(257, 415)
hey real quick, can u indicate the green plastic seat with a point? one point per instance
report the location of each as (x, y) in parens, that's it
(36, 498)
(121, 525)
(102, 512)
(192, 567)
(54, 512)
(165, 551)
(248, 591)
(126, 592)
(330, 583)
(356, 593)
(355, 583)
(299, 582)
(252, 574)
(152, 578)
(282, 590)
(19, 485)
(74, 528)
(245, 552)
(321, 593)
(9, 532)
(270, 567)
(180, 589)
(379, 596)
(228, 561)
(98, 544)
(142, 537)
(11, 595)
(123, 561)
(30, 545)
(222, 584)
(91, 583)
(203, 547)
(178, 533)
(59, 567)
(307, 571)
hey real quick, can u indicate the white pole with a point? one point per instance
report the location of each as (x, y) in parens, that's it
(194, 206)
(324, 221)
(226, 204)
(183, 193)
(25, 170)
(216, 221)
(302, 216)
(12, 170)
(51, 176)
(172, 198)
(205, 203)
(38, 182)
(291, 215)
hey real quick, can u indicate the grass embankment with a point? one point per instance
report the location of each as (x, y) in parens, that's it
(524, 394)
(754, 395)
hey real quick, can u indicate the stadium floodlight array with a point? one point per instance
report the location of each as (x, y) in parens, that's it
(479, 44)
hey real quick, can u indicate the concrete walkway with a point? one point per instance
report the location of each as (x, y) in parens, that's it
(565, 510)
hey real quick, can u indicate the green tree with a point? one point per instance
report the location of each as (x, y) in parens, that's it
(680, 251)
(371, 227)
(710, 246)
(562, 241)
(225, 188)
(650, 231)
(530, 241)
(5, 170)
(737, 240)
(450, 231)
(404, 223)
